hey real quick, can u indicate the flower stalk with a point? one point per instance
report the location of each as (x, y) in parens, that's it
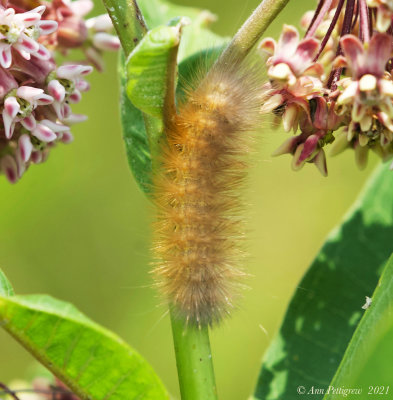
(251, 31)
(128, 22)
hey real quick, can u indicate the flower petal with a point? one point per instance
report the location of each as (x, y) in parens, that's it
(56, 90)
(101, 23)
(47, 27)
(29, 93)
(55, 127)
(287, 147)
(305, 54)
(75, 119)
(309, 148)
(358, 111)
(267, 46)
(354, 52)
(25, 147)
(75, 97)
(67, 137)
(81, 7)
(272, 103)
(42, 53)
(44, 134)
(5, 55)
(296, 166)
(290, 117)
(348, 94)
(11, 106)
(73, 71)
(27, 44)
(320, 162)
(9, 167)
(29, 123)
(340, 144)
(378, 54)
(288, 41)
(28, 18)
(105, 41)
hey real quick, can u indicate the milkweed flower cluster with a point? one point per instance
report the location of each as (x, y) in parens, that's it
(334, 86)
(41, 388)
(36, 93)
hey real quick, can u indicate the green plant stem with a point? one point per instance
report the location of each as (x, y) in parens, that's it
(194, 360)
(128, 22)
(251, 31)
(130, 27)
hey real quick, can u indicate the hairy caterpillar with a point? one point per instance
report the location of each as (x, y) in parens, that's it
(197, 193)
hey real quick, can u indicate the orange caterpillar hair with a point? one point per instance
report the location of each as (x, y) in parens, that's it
(197, 193)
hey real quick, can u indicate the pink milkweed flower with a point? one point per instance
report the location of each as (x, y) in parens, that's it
(370, 58)
(353, 75)
(20, 31)
(9, 167)
(35, 95)
(308, 146)
(384, 13)
(72, 31)
(291, 58)
(100, 29)
(368, 94)
(18, 107)
(68, 87)
(294, 77)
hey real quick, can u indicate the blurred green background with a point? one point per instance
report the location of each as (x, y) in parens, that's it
(78, 228)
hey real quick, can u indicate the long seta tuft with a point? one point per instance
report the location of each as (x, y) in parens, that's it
(199, 228)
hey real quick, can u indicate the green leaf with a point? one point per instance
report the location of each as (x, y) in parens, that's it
(151, 70)
(196, 37)
(92, 361)
(151, 77)
(369, 340)
(159, 12)
(326, 307)
(134, 134)
(6, 288)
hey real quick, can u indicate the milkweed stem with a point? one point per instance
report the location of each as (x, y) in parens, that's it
(194, 360)
(251, 31)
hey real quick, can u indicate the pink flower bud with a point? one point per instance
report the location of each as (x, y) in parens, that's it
(9, 168)
(72, 32)
(44, 133)
(25, 147)
(7, 83)
(105, 41)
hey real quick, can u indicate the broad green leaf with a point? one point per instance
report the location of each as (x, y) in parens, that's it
(134, 134)
(148, 83)
(6, 288)
(159, 12)
(327, 305)
(357, 368)
(196, 37)
(95, 363)
(151, 70)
